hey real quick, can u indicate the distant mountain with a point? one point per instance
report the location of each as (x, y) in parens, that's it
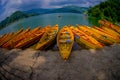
(15, 17)
(38, 10)
(33, 12)
(71, 9)
(81, 9)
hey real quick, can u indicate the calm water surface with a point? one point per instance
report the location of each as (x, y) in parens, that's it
(48, 19)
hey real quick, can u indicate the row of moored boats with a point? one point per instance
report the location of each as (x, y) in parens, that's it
(87, 37)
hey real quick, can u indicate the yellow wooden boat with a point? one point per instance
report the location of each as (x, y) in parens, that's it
(48, 38)
(2, 37)
(85, 40)
(7, 38)
(21, 36)
(65, 40)
(109, 25)
(10, 36)
(25, 35)
(11, 43)
(31, 37)
(108, 31)
(111, 31)
(109, 37)
(101, 38)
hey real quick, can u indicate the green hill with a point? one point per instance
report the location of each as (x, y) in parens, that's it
(15, 17)
(110, 10)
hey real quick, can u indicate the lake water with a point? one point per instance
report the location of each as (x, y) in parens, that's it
(48, 19)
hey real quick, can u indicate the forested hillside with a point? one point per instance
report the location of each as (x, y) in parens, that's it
(15, 17)
(110, 10)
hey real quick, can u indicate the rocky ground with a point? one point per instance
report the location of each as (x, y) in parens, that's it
(29, 64)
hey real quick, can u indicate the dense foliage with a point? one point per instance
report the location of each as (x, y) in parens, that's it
(109, 9)
(14, 17)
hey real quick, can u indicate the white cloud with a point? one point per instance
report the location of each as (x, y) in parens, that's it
(10, 6)
(46, 3)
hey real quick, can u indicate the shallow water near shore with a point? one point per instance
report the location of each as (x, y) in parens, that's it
(30, 64)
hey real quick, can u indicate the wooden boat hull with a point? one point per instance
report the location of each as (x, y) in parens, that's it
(109, 32)
(112, 32)
(109, 37)
(100, 38)
(85, 40)
(3, 38)
(82, 42)
(28, 42)
(10, 44)
(6, 39)
(12, 36)
(109, 25)
(48, 38)
(31, 38)
(65, 40)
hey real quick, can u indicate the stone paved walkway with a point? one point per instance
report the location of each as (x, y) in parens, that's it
(103, 64)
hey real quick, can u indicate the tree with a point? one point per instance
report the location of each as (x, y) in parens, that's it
(109, 10)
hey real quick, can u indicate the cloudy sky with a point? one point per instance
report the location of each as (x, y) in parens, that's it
(7, 7)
